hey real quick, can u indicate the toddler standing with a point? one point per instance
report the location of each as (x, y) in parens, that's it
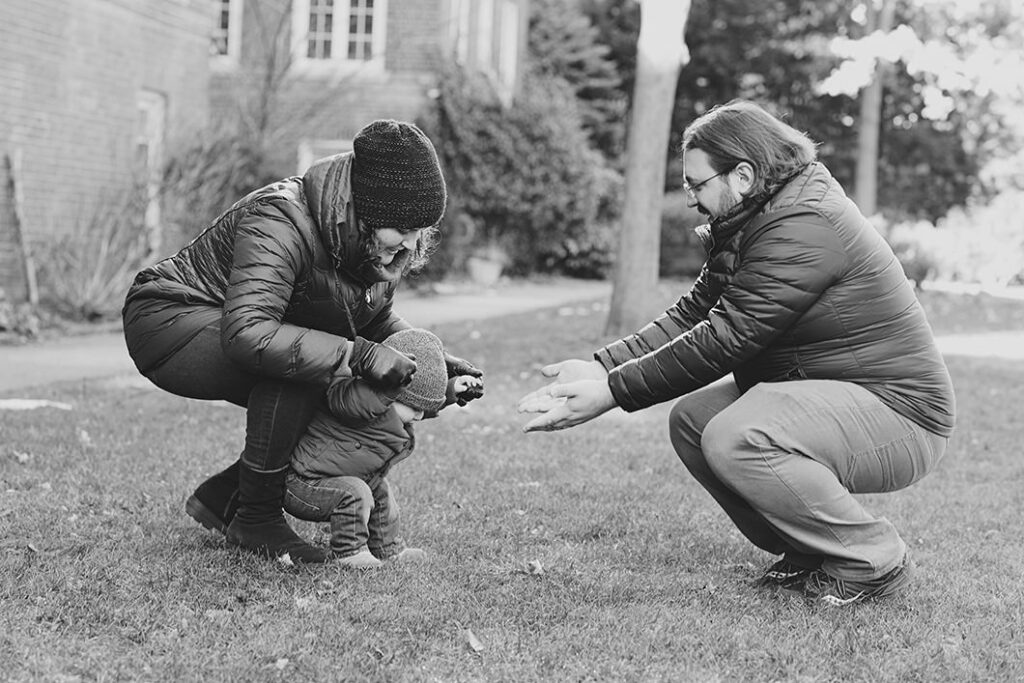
(340, 465)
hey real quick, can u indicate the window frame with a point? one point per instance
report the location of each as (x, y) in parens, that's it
(230, 59)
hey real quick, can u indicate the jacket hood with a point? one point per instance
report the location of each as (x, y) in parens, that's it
(328, 189)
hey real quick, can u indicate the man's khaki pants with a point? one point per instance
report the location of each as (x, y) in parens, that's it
(784, 458)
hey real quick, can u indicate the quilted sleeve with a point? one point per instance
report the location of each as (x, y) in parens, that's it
(269, 255)
(783, 270)
(691, 308)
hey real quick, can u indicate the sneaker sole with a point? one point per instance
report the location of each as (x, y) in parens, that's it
(202, 514)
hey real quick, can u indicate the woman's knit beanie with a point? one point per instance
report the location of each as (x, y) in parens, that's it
(430, 382)
(396, 177)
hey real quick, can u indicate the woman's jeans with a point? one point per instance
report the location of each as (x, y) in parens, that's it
(784, 458)
(277, 411)
(361, 515)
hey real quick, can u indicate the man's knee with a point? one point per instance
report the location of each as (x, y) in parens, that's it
(685, 432)
(732, 449)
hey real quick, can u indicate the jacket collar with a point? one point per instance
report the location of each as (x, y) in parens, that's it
(719, 232)
(328, 191)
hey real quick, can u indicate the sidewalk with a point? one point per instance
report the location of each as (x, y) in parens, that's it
(100, 355)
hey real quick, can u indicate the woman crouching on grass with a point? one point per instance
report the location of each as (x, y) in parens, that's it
(288, 291)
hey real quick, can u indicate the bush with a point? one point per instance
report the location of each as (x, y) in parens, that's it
(981, 244)
(201, 181)
(522, 174)
(84, 274)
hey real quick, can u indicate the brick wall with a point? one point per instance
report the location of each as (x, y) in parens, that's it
(73, 73)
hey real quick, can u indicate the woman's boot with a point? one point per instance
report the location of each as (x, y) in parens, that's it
(215, 502)
(260, 526)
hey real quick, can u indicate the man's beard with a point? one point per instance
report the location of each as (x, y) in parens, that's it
(727, 202)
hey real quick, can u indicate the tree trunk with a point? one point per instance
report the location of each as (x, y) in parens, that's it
(866, 184)
(661, 53)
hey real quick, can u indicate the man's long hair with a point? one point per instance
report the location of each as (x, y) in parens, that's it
(743, 131)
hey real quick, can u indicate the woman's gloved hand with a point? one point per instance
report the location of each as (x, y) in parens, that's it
(457, 367)
(380, 365)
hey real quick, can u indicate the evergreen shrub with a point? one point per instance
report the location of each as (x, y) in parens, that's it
(521, 176)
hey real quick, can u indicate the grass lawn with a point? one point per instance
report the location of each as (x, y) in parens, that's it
(586, 555)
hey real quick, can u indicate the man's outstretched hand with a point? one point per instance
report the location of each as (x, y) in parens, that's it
(579, 393)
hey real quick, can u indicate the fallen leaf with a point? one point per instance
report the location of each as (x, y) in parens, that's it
(472, 641)
(535, 568)
(281, 664)
(286, 560)
(22, 458)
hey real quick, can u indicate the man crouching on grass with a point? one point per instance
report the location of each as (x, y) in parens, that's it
(837, 385)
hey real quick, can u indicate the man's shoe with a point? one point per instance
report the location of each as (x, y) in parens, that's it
(839, 593)
(783, 574)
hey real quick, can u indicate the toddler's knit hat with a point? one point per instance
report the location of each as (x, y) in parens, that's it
(396, 177)
(430, 382)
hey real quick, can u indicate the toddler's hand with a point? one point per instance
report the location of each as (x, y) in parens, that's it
(464, 388)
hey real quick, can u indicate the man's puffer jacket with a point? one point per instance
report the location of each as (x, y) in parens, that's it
(807, 289)
(278, 272)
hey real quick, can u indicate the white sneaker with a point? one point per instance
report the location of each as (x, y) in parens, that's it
(361, 560)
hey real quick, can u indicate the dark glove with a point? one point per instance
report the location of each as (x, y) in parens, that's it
(457, 366)
(380, 365)
(474, 390)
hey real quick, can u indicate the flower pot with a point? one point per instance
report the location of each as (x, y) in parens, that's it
(484, 271)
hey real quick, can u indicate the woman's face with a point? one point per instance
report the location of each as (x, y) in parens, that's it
(391, 242)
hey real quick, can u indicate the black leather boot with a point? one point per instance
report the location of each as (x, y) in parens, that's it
(215, 502)
(260, 526)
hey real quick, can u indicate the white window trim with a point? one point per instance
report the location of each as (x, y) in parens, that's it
(485, 37)
(508, 49)
(311, 149)
(231, 59)
(154, 104)
(458, 30)
(338, 64)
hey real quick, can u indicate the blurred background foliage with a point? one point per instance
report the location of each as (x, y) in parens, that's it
(537, 182)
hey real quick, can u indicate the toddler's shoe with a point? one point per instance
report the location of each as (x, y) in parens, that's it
(361, 560)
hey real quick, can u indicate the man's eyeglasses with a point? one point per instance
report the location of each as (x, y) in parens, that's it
(692, 189)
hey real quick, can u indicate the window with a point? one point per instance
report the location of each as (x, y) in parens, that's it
(225, 41)
(339, 33)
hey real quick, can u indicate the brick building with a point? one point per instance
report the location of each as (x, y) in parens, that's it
(338, 65)
(98, 93)
(89, 92)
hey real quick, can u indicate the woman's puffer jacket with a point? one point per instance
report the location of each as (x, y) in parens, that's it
(278, 270)
(807, 289)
